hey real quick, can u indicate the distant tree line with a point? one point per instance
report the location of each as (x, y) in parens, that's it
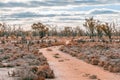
(93, 28)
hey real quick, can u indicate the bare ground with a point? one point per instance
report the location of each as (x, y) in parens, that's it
(4, 74)
(67, 67)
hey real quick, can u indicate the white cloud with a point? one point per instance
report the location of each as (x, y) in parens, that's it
(6, 1)
(96, 11)
(60, 12)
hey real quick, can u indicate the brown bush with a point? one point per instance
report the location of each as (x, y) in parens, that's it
(40, 78)
(101, 63)
(105, 67)
(45, 71)
(94, 61)
(110, 68)
(116, 69)
(87, 60)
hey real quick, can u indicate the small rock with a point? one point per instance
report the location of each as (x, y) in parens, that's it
(48, 49)
(56, 56)
(61, 60)
(86, 75)
(93, 77)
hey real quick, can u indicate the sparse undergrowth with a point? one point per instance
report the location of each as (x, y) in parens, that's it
(28, 64)
(105, 55)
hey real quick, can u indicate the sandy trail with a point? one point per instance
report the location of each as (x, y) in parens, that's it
(67, 67)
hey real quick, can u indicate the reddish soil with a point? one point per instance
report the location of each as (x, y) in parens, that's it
(67, 67)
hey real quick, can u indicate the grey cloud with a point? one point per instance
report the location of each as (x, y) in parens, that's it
(98, 11)
(24, 15)
(13, 4)
(67, 14)
(71, 19)
(56, 3)
(32, 15)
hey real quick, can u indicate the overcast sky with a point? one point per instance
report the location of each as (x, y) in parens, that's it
(58, 12)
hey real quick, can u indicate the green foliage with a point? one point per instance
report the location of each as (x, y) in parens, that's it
(40, 29)
(95, 27)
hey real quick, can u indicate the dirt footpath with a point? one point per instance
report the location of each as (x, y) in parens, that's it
(67, 67)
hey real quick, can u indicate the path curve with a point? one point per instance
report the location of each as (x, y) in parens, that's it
(67, 67)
